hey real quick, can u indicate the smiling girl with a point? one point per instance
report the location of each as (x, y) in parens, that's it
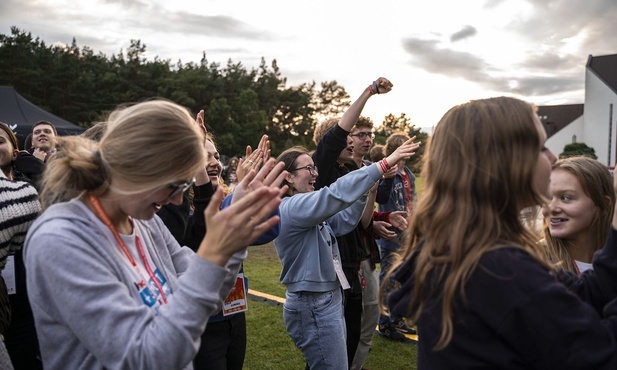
(308, 249)
(578, 216)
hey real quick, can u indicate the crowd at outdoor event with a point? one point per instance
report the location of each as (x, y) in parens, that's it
(123, 247)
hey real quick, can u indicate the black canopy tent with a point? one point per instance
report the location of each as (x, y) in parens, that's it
(20, 114)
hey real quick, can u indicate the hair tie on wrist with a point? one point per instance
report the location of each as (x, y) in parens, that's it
(375, 87)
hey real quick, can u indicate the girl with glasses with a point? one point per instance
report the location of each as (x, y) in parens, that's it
(311, 221)
(109, 285)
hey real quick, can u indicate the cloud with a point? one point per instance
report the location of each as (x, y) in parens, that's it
(535, 77)
(429, 56)
(551, 62)
(560, 34)
(552, 22)
(465, 32)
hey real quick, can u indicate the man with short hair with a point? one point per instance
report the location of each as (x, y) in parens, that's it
(362, 139)
(43, 140)
(30, 163)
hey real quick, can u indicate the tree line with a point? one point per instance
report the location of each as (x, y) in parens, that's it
(241, 104)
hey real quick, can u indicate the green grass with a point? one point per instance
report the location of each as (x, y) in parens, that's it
(419, 185)
(269, 346)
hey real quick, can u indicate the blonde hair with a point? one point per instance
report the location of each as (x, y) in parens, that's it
(597, 184)
(478, 175)
(322, 128)
(141, 148)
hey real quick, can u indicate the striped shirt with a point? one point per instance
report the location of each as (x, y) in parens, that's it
(19, 206)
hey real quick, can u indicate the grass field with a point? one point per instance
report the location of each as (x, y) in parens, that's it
(269, 346)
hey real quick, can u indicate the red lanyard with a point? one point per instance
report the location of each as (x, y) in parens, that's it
(578, 272)
(102, 215)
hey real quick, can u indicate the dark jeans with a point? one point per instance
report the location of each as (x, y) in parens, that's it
(353, 312)
(386, 264)
(223, 345)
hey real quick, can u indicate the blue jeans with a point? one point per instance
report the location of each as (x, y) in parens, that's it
(315, 323)
(386, 264)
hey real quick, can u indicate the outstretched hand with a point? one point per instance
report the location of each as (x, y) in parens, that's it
(239, 225)
(270, 175)
(405, 151)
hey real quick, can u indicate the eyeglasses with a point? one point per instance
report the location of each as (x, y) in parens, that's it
(363, 135)
(311, 169)
(177, 188)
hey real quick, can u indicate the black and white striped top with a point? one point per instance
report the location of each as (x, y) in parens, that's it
(19, 207)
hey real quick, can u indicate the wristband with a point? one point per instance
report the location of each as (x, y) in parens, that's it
(386, 165)
(375, 87)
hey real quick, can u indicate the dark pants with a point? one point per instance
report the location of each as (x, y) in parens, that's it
(20, 339)
(353, 312)
(223, 345)
(387, 258)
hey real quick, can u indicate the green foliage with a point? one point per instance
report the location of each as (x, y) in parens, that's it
(240, 104)
(402, 124)
(574, 149)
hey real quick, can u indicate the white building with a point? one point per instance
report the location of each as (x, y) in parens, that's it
(594, 123)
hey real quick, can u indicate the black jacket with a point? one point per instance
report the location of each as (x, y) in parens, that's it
(519, 316)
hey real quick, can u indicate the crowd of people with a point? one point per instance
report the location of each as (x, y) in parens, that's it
(114, 256)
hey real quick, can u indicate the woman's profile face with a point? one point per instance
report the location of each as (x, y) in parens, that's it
(213, 166)
(544, 163)
(7, 151)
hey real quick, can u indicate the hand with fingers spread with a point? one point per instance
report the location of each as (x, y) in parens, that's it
(270, 175)
(404, 151)
(238, 225)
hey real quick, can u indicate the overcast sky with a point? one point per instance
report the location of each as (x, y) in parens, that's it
(437, 53)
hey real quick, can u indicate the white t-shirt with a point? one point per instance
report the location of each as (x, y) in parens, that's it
(583, 266)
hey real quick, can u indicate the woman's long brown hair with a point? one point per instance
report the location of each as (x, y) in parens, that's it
(478, 175)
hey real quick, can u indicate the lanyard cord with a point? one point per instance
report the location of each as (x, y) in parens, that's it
(578, 272)
(102, 215)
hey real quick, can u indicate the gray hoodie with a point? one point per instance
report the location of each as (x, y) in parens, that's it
(88, 317)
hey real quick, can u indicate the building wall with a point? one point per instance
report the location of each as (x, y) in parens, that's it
(564, 136)
(597, 132)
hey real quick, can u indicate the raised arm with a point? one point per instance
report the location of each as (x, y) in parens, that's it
(351, 115)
